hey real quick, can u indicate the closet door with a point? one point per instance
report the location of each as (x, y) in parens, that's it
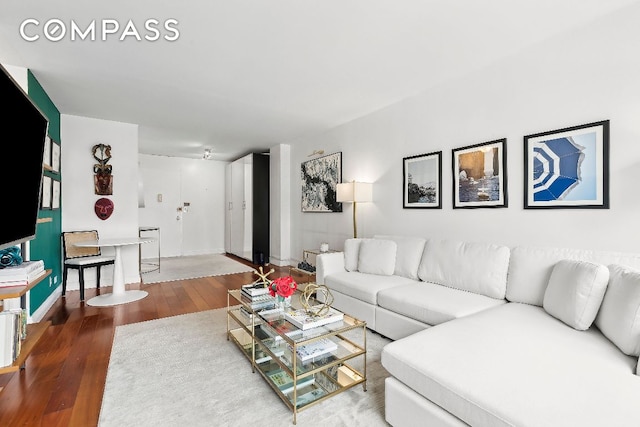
(236, 234)
(247, 208)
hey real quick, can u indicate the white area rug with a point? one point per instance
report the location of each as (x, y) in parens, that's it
(182, 371)
(191, 267)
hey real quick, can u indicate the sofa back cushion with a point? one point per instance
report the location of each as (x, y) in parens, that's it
(575, 292)
(377, 256)
(408, 255)
(619, 316)
(475, 267)
(530, 268)
(351, 252)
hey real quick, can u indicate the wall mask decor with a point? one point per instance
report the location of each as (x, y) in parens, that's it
(103, 208)
(102, 179)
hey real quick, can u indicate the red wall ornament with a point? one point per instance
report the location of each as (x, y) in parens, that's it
(103, 208)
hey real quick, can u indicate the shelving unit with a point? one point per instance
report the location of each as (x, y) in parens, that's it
(271, 344)
(35, 331)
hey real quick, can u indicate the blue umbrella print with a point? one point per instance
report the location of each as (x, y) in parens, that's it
(556, 168)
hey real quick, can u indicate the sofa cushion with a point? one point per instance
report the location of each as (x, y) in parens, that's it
(433, 304)
(364, 287)
(351, 251)
(575, 292)
(619, 316)
(377, 257)
(408, 255)
(530, 268)
(516, 365)
(475, 267)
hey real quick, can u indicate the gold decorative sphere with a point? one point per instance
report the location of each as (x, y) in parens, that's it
(313, 289)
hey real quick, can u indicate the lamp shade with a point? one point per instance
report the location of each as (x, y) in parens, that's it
(354, 192)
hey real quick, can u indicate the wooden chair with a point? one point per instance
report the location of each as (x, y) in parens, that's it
(79, 258)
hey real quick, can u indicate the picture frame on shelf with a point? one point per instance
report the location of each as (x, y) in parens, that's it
(45, 194)
(55, 156)
(480, 175)
(567, 168)
(422, 181)
(55, 195)
(46, 155)
(320, 178)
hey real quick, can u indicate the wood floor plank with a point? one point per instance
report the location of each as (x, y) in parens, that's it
(64, 379)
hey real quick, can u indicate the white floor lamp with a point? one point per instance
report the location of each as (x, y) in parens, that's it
(354, 192)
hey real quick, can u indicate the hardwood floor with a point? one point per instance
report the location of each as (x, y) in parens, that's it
(63, 380)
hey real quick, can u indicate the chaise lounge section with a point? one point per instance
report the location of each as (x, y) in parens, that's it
(487, 335)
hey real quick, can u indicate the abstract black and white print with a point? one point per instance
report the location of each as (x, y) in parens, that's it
(320, 178)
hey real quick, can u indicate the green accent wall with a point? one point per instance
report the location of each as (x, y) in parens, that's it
(47, 245)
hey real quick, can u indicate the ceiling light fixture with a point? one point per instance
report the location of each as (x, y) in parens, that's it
(207, 154)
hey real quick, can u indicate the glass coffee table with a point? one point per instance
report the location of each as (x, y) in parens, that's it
(303, 367)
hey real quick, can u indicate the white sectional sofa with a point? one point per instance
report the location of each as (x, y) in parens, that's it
(488, 335)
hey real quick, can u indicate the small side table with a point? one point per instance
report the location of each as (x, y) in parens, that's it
(309, 255)
(154, 266)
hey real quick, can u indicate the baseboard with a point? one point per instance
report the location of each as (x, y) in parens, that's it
(39, 314)
(279, 262)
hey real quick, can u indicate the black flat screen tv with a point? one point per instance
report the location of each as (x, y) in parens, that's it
(23, 129)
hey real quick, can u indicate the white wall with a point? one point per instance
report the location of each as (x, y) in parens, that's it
(577, 78)
(280, 205)
(200, 230)
(79, 135)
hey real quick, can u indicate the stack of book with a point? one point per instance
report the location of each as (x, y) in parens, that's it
(284, 382)
(21, 275)
(13, 330)
(304, 320)
(315, 349)
(256, 296)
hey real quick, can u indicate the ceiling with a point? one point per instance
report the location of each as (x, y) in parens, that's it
(245, 75)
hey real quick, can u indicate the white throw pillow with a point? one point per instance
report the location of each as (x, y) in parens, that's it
(351, 250)
(619, 316)
(575, 292)
(377, 257)
(408, 255)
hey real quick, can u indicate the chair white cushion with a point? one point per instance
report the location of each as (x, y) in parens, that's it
(377, 257)
(575, 292)
(619, 316)
(351, 251)
(408, 255)
(88, 260)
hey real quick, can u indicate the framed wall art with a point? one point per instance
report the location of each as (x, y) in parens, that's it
(55, 195)
(55, 156)
(45, 193)
(480, 175)
(46, 155)
(567, 168)
(320, 178)
(422, 181)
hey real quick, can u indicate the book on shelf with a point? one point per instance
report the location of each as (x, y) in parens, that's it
(12, 332)
(254, 289)
(277, 327)
(262, 356)
(304, 320)
(315, 349)
(308, 397)
(20, 278)
(259, 302)
(284, 382)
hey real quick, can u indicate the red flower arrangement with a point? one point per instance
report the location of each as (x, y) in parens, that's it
(282, 287)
